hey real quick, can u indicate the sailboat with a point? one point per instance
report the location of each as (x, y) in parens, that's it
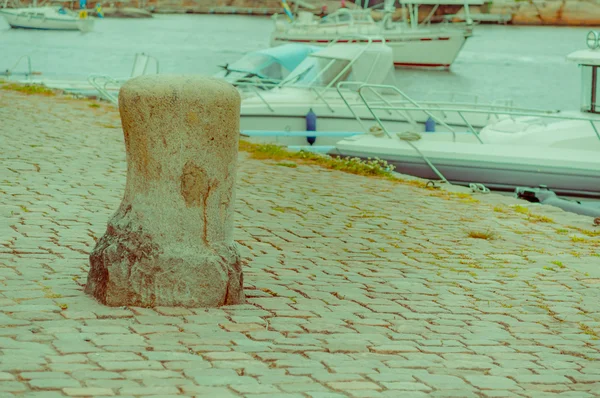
(46, 18)
(414, 44)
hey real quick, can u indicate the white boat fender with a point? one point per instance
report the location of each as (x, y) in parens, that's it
(430, 125)
(311, 125)
(545, 196)
(409, 136)
(376, 131)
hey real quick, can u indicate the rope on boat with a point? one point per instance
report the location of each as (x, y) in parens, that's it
(477, 187)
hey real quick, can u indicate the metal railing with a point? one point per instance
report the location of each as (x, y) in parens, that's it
(511, 113)
(106, 85)
(400, 104)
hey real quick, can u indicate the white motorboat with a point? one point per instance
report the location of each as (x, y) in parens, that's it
(559, 150)
(414, 44)
(325, 83)
(270, 65)
(47, 18)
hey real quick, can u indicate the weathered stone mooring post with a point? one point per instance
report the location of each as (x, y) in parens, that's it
(171, 242)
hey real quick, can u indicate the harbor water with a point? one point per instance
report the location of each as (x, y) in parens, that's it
(525, 64)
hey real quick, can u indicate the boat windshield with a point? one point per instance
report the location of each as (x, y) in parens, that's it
(318, 72)
(259, 64)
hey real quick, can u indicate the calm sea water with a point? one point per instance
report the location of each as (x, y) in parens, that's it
(526, 64)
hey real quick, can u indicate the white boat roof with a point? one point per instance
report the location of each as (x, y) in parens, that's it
(585, 57)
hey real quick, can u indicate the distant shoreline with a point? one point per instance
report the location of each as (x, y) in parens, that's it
(513, 12)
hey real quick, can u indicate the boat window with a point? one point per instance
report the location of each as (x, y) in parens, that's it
(273, 71)
(590, 89)
(253, 63)
(317, 72)
(336, 18)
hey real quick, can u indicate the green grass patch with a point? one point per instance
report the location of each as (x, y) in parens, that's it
(370, 167)
(29, 89)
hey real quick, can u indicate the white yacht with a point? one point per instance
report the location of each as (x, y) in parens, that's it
(560, 150)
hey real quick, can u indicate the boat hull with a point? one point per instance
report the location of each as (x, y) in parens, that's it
(497, 166)
(417, 49)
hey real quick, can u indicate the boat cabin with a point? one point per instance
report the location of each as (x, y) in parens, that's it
(589, 62)
(370, 62)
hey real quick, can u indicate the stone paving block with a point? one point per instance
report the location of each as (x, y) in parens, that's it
(95, 374)
(148, 391)
(131, 365)
(111, 383)
(224, 380)
(498, 393)
(71, 367)
(353, 385)
(54, 383)
(12, 386)
(277, 395)
(443, 382)
(492, 382)
(254, 389)
(177, 382)
(44, 394)
(77, 392)
(325, 395)
(453, 394)
(226, 356)
(149, 374)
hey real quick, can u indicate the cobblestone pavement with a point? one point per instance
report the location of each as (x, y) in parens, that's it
(356, 287)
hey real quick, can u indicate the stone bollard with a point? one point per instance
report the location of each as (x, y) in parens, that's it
(170, 243)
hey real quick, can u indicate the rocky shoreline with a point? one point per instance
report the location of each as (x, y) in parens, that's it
(517, 12)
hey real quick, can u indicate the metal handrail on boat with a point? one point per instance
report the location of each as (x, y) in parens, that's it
(507, 113)
(101, 82)
(496, 110)
(29, 72)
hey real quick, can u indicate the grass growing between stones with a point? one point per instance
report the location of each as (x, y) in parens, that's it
(29, 89)
(487, 235)
(373, 167)
(589, 331)
(531, 216)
